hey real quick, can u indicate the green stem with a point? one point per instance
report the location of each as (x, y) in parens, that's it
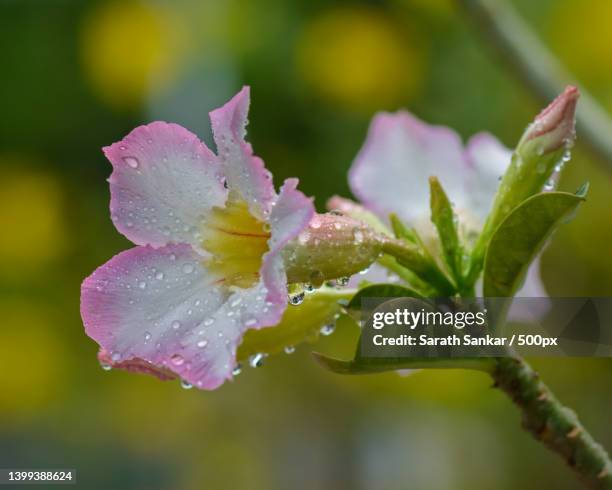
(538, 68)
(553, 424)
(418, 261)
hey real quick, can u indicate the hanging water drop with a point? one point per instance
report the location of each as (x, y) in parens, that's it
(105, 367)
(257, 360)
(343, 281)
(296, 299)
(328, 329)
(289, 349)
(186, 385)
(237, 370)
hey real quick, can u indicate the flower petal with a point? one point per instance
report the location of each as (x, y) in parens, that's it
(390, 173)
(164, 181)
(244, 171)
(290, 215)
(489, 160)
(160, 310)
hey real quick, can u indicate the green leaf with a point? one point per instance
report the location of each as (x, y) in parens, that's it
(445, 221)
(381, 365)
(400, 230)
(418, 260)
(299, 324)
(519, 238)
(382, 291)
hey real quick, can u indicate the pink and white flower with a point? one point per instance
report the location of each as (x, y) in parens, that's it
(390, 173)
(209, 230)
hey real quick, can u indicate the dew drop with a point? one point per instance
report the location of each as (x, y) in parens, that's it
(257, 360)
(105, 367)
(175, 325)
(142, 285)
(328, 329)
(188, 268)
(147, 336)
(202, 343)
(309, 288)
(208, 322)
(177, 360)
(237, 370)
(358, 236)
(289, 349)
(186, 385)
(343, 281)
(131, 161)
(159, 276)
(296, 299)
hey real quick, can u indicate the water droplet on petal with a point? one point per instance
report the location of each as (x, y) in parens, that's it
(237, 370)
(142, 284)
(289, 349)
(328, 329)
(175, 325)
(177, 360)
(188, 268)
(147, 336)
(159, 276)
(186, 385)
(202, 343)
(131, 161)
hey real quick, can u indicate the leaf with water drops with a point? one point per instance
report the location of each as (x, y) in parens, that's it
(445, 221)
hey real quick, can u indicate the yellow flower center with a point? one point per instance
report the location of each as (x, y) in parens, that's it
(237, 242)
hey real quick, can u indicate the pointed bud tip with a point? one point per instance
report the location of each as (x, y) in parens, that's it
(556, 122)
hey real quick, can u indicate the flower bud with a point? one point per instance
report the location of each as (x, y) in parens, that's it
(539, 156)
(332, 246)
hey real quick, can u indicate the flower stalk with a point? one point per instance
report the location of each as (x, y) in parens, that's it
(553, 424)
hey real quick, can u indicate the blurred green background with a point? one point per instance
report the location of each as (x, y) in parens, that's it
(77, 75)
